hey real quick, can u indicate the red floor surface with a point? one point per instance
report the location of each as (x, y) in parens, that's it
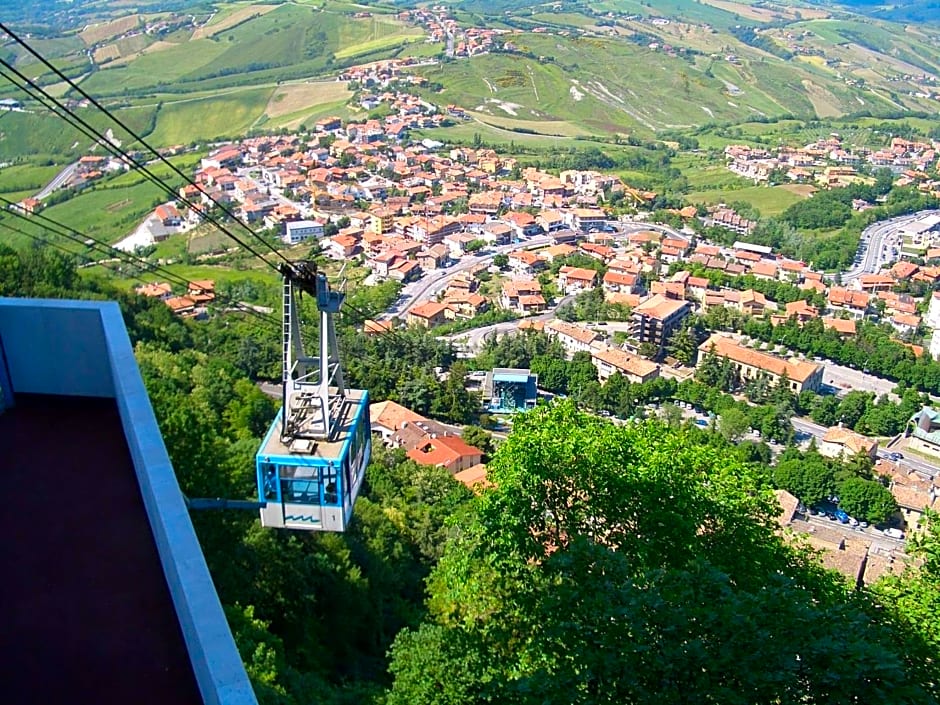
(87, 615)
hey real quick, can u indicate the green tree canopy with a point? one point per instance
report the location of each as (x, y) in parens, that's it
(637, 564)
(866, 499)
(810, 479)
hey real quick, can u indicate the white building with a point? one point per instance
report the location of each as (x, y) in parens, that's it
(935, 345)
(932, 318)
(572, 338)
(300, 230)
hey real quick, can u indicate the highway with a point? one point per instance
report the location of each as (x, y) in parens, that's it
(60, 179)
(918, 465)
(432, 283)
(877, 244)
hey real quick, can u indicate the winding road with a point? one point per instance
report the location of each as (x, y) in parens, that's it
(876, 244)
(431, 284)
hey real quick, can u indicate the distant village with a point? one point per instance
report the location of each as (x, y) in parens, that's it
(829, 164)
(413, 210)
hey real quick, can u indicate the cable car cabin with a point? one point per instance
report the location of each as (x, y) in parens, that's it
(311, 464)
(312, 485)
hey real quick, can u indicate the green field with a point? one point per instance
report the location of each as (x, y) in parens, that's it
(291, 41)
(108, 214)
(706, 176)
(258, 273)
(229, 115)
(608, 85)
(465, 132)
(769, 200)
(38, 136)
(25, 177)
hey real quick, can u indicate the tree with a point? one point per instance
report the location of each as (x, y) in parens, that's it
(913, 598)
(601, 568)
(672, 414)
(708, 371)
(501, 260)
(648, 350)
(454, 403)
(825, 410)
(733, 423)
(853, 406)
(866, 499)
(683, 345)
(478, 438)
(809, 479)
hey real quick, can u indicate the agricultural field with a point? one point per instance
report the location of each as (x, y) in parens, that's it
(25, 178)
(229, 17)
(97, 33)
(106, 214)
(607, 85)
(550, 128)
(299, 97)
(252, 45)
(498, 138)
(39, 137)
(769, 200)
(228, 115)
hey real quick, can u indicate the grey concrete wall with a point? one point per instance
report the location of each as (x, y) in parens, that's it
(55, 347)
(82, 349)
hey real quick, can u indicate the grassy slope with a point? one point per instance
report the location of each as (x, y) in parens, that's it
(289, 42)
(229, 115)
(769, 200)
(25, 177)
(606, 85)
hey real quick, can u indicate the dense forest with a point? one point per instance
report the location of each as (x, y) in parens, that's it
(636, 563)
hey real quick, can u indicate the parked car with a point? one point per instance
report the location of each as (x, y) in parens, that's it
(894, 533)
(841, 516)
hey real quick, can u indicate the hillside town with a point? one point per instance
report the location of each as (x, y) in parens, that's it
(392, 332)
(481, 245)
(829, 163)
(468, 234)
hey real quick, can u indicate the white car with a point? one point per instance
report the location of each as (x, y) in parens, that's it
(894, 533)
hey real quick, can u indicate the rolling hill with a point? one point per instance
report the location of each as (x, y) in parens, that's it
(649, 67)
(565, 68)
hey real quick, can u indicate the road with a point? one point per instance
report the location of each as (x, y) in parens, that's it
(472, 340)
(918, 465)
(877, 245)
(804, 523)
(635, 226)
(60, 179)
(844, 380)
(431, 284)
